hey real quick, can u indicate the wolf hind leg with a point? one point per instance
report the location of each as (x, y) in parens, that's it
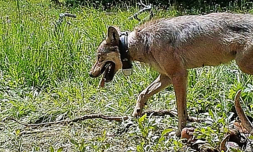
(179, 81)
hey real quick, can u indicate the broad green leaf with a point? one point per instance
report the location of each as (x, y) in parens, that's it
(166, 131)
(17, 132)
(60, 149)
(251, 137)
(73, 142)
(51, 149)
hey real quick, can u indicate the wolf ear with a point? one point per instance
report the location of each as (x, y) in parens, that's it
(113, 36)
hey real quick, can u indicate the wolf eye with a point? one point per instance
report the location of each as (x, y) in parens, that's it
(100, 58)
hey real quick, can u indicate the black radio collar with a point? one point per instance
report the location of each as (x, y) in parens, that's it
(124, 53)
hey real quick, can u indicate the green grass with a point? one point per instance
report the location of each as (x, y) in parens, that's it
(44, 77)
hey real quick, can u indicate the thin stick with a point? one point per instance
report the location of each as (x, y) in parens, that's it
(146, 8)
(223, 143)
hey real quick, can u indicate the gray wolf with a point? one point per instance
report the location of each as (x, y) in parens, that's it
(173, 45)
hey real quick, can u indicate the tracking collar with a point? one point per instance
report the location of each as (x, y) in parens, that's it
(124, 54)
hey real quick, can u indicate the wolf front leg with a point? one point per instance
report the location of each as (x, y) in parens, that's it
(159, 84)
(179, 82)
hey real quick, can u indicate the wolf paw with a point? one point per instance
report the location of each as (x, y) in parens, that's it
(137, 112)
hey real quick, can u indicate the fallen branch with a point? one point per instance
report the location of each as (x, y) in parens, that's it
(105, 117)
(94, 116)
(160, 113)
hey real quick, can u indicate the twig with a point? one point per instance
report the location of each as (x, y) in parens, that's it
(62, 15)
(146, 8)
(69, 15)
(223, 143)
(100, 116)
(160, 113)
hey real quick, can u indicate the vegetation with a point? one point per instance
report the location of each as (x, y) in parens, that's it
(44, 68)
(189, 4)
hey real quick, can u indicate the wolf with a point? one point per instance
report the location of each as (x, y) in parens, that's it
(171, 46)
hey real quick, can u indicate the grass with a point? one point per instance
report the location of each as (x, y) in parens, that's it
(44, 77)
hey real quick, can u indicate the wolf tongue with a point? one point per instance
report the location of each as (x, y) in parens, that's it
(103, 79)
(102, 82)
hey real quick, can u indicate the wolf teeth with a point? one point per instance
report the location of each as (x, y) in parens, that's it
(109, 66)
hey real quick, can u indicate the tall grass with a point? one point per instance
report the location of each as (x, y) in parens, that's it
(37, 51)
(44, 77)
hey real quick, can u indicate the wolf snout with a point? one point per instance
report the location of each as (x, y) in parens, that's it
(91, 75)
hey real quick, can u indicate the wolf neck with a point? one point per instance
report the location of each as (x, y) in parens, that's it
(136, 48)
(124, 53)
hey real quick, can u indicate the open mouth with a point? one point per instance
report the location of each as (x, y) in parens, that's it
(108, 70)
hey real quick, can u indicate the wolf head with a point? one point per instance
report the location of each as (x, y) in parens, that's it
(108, 56)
